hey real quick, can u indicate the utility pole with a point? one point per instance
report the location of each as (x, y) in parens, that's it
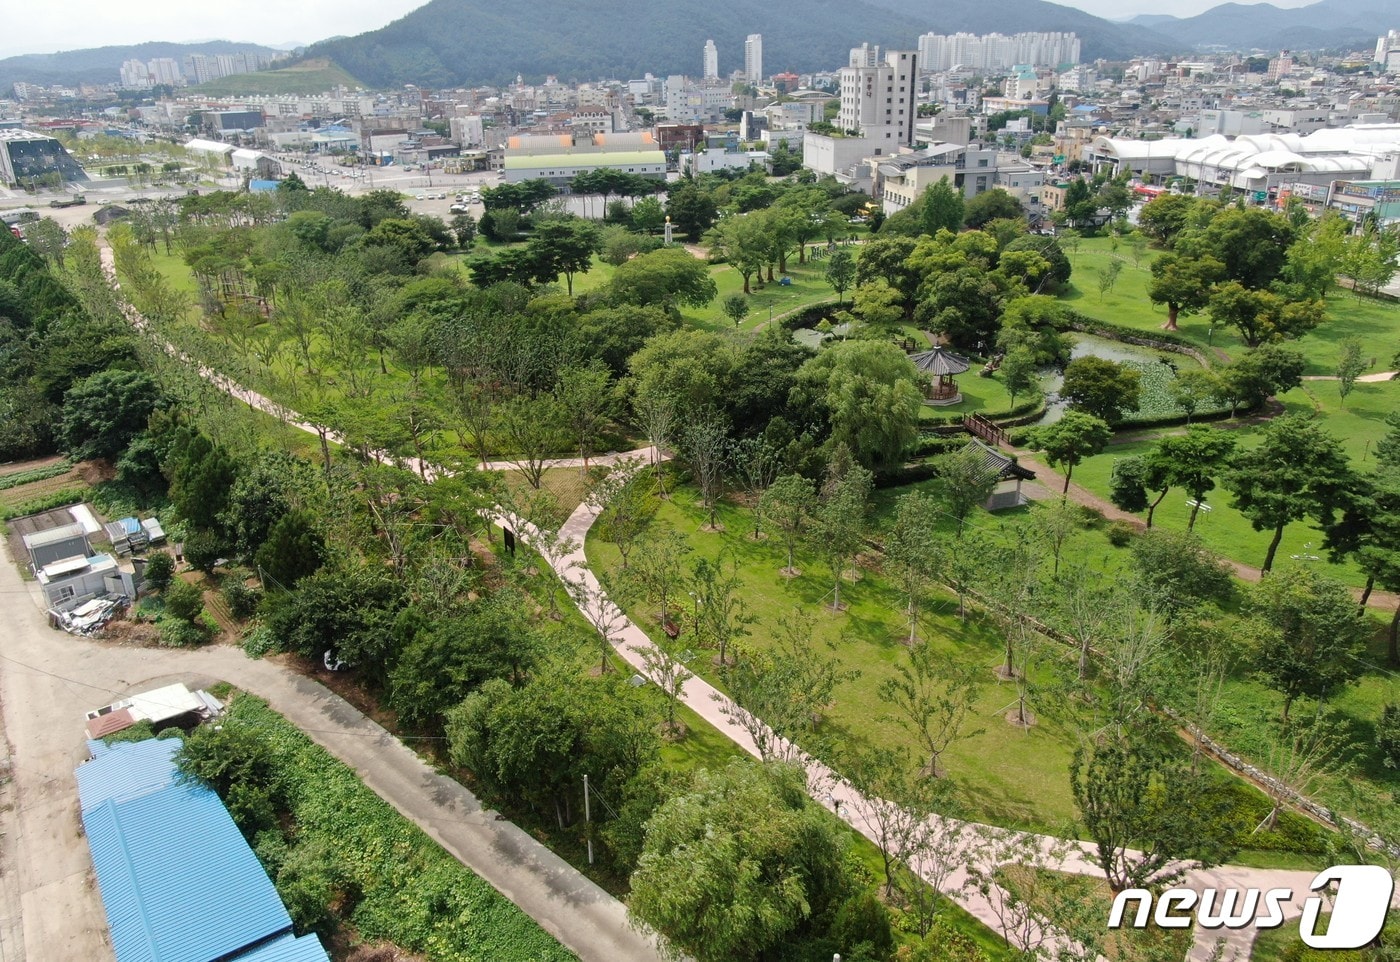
(588, 820)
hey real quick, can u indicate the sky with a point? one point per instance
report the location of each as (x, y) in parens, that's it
(37, 26)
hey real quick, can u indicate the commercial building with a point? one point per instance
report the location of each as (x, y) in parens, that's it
(29, 157)
(561, 168)
(1260, 164)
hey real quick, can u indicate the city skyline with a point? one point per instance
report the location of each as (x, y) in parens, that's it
(81, 24)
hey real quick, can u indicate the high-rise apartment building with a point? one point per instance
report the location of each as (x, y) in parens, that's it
(995, 51)
(711, 61)
(165, 70)
(753, 58)
(866, 55)
(878, 101)
(135, 74)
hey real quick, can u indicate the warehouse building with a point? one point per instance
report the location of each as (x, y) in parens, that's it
(178, 881)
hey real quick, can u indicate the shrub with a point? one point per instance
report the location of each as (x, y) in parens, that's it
(1120, 534)
(177, 633)
(184, 601)
(160, 568)
(260, 641)
(242, 600)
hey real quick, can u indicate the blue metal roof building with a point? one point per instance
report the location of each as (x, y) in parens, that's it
(178, 881)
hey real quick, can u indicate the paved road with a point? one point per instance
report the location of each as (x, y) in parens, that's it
(48, 679)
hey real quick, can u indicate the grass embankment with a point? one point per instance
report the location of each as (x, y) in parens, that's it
(410, 892)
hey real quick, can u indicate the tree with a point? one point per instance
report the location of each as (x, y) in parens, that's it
(1070, 440)
(103, 412)
(185, 601)
(657, 415)
(1166, 216)
(721, 614)
(293, 550)
(933, 701)
(868, 393)
(705, 447)
(942, 208)
(1297, 470)
(965, 482)
(669, 278)
(990, 205)
(840, 272)
(1108, 277)
(533, 430)
(1183, 283)
(1263, 371)
(740, 865)
(777, 695)
(736, 308)
(1149, 819)
(1262, 316)
(1105, 389)
(787, 504)
(1193, 460)
(691, 209)
(1311, 640)
(160, 569)
(838, 523)
(587, 400)
(563, 247)
(1020, 372)
(744, 241)
(648, 215)
(914, 551)
(670, 677)
(1349, 368)
(624, 506)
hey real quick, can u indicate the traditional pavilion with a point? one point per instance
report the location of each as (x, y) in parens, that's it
(1009, 475)
(941, 364)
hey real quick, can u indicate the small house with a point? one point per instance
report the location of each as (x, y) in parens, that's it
(56, 544)
(173, 706)
(69, 582)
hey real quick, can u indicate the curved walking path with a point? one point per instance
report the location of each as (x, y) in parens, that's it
(1377, 378)
(967, 845)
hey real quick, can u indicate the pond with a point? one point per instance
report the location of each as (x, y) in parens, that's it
(1150, 360)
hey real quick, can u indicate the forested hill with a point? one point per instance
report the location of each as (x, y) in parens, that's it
(101, 65)
(450, 42)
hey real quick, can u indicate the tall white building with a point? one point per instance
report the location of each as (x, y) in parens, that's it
(1388, 50)
(753, 58)
(865, 55)
(165, 70)
(711, 61)
(878, 101)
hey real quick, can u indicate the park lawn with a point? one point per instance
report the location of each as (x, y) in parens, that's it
(1372, 321)
(174, 269)
(1005, 775)
(1283, 944)
(705, 747)
(1223, 529)
(981, 395)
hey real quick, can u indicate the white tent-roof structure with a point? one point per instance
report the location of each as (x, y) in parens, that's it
(1257, 161)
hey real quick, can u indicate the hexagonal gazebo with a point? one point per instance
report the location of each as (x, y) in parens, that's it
(941, 364)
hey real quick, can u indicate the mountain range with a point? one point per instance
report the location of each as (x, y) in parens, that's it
(101, 65)
(454, 42)
(1329, 24)
(461, 42)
